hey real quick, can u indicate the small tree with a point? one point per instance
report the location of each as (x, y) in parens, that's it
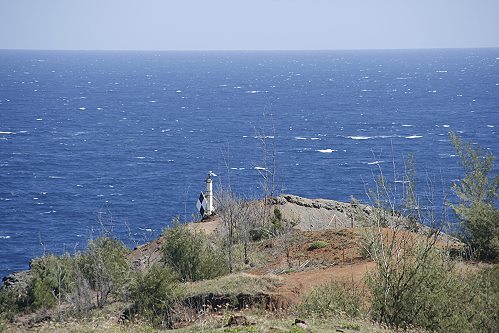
(191, 255)
(409, 266)
(52, 276)
(154, 294)
(232, 210)
(105, 267)
(268, 168)
(477, 192)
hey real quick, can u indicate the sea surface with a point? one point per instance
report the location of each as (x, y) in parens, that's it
(124, 140)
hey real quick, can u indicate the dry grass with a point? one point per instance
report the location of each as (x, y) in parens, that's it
(233, 284)
(262, 322)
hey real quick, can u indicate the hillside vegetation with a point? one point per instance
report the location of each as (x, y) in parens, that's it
(284, 264)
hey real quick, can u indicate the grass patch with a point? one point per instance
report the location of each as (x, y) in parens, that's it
(349, 326)
(331, 300)
(319, 244)
(263, 324)
(233, 284)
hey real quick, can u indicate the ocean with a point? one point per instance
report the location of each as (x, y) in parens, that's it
(124, 140)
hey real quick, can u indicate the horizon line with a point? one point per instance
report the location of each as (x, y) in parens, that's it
(249, 50)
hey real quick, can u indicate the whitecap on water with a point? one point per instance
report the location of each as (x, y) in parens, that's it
(413, 137)
(490, 126)
(300, 138)
(359, 137)
(259, 168)
(375, 162)
(4, 237)
(82, 109)
(326, 150)
(7, 133)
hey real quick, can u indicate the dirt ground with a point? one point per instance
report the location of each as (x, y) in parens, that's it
(300, 267)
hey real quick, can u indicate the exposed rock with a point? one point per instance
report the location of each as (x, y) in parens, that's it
(16, 280)
(320, 214)
(302, 324)
(237, 321)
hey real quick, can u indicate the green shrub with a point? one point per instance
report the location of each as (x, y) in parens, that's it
(52, 280)
(331, 300)
(426, 291)
(477, 192)
(402, 291)
(11, 303)
(482, 303)
(43, 297)
(191, 254)
(154, 295)
(317, 245)
(105, 266)
(101, 270)
(277, 222)
(481, 229)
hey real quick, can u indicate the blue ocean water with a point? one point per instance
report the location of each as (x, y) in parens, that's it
(125, 139)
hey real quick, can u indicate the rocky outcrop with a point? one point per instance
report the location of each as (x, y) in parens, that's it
(320, 214)
(16, 281)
